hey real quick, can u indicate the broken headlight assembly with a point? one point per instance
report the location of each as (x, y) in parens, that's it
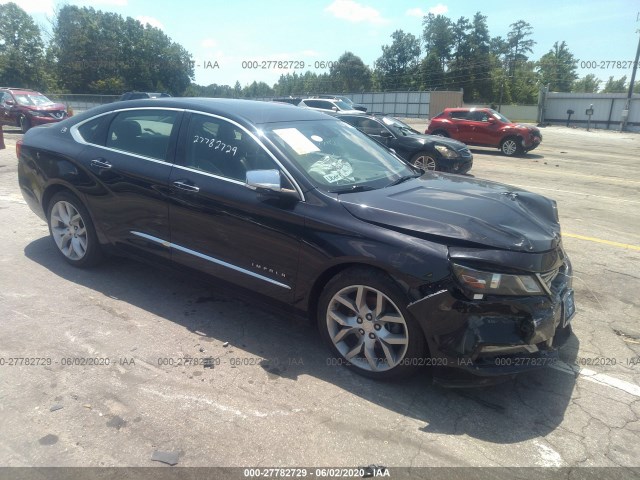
(481, 282)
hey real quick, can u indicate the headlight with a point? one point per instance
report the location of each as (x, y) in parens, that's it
(34, 113)
(490, 283)
(446, 151)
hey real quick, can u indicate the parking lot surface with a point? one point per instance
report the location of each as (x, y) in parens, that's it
(112, 384)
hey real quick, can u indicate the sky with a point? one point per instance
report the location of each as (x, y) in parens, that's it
(222, 34)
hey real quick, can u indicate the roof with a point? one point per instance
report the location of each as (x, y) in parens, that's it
(243, 111)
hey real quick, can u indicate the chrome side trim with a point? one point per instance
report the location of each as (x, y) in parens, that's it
(167, 244)
(207, 174)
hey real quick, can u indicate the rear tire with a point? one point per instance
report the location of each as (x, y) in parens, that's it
(363, 318)
(511, 146)
(72, 231)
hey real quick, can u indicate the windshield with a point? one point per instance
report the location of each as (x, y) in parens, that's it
(342, 105)
(346, 100)
(32, 99)
(336, 156)
(500, 117)
(398, 127)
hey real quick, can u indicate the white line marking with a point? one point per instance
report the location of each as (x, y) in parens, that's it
(600, 378)
(548, 456)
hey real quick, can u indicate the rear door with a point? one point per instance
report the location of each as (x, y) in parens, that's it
(130, 155)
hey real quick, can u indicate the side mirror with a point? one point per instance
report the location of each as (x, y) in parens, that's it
(335, 109)
(385, 133)
(491, 120)
(9, 102)
(267, 181)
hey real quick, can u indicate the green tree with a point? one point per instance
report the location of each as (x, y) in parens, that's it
(558, 68)
(522, 77)
(350, 74)
(438, 37)
(616, 86)
(21, 49)
(431, 73)
(257, 89)
(587, 84)
(98, 52)
(519, 44)
(397, 68)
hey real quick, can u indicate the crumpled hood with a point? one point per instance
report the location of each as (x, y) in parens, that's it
(461, 209)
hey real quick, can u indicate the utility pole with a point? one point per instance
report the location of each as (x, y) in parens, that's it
(627, 106)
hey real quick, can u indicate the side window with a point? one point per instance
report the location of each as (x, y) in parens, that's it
(319, 104)
(89, 129)
(143, 132)
(478, 116)
(219, 147)
(459, 115)
(370, 127)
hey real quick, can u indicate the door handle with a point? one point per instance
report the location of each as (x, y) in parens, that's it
(99, 163)
(188, 187)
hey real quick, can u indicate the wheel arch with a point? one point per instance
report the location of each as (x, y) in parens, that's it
(330, 272)
(51, 190)
(516, 136)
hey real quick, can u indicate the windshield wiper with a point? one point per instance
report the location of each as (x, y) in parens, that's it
(404, 179)
(352, 189)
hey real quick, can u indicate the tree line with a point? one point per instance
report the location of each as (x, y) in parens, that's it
(89, 51)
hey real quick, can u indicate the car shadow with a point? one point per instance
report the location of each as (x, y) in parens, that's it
(498, 153)
(530, 406)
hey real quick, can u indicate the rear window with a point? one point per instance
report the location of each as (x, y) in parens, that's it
(142, 132)
(89, 129)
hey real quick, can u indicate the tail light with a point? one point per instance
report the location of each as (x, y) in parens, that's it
(18, 148)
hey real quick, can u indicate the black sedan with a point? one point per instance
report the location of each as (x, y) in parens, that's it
(427, 152)
(399, 268)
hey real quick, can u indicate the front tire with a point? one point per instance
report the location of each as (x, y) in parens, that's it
(72, 230)
(363, 318)
(511, 146)
(425, 161)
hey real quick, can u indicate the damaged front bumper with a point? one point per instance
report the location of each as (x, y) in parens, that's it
(481, 341)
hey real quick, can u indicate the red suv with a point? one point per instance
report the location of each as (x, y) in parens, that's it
(485, 127)
(27, 108)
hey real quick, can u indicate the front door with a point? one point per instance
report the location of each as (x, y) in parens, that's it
(222, 227)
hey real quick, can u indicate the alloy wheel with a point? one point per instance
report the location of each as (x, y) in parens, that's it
(425, 162)
(367, 328)
(509, 147)
(68, 230)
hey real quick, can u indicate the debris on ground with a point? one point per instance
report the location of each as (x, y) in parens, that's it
(170, 458)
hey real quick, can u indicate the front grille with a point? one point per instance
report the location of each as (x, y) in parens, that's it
(464, 153)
